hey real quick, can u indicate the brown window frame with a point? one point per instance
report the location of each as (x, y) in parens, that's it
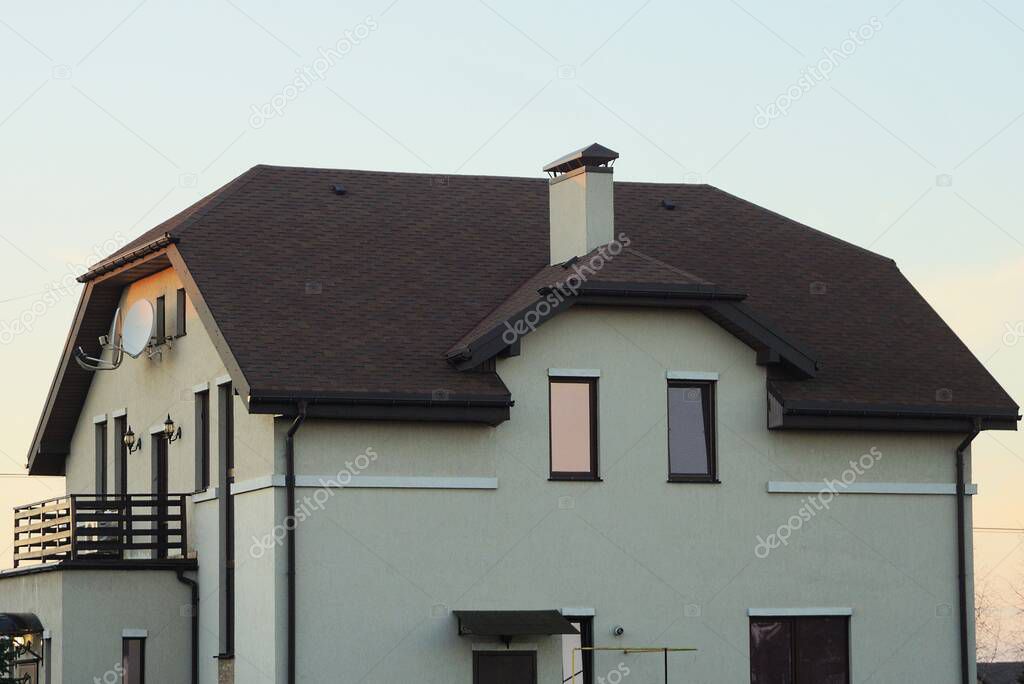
(102, 454)
(202, 445)
(160, 325)
(179, 314)
(709, 405)
(142, 657)
(794, 645)
(571, 476)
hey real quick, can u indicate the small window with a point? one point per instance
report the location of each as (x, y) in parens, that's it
(800, 650)
(121, 455)
(573, 428)
(576, 662)
(101, 458)
(202, 431)
(160, 327)
(691, 431)
(133, 660)
(179, 314)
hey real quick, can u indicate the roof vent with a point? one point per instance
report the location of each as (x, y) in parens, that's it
(668, 204)
(338, 189)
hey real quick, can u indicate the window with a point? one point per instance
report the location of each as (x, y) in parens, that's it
(179, 314)
(583, 663)
(226, 516)
(133, 660)
(160, 327)
(121, 458)
(691, 431)
(202, 431)
(573, 429)
(800, 650)
(101, 457)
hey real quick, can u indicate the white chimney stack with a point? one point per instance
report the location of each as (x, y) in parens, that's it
(582, 210)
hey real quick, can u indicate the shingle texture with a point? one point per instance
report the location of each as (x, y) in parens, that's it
(366, 292)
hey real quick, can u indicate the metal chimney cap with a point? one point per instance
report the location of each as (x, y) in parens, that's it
(591, 155)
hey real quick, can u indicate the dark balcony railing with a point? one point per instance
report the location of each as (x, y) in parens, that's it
(98, 527)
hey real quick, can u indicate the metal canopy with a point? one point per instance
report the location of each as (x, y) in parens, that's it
(19, 624)
(592, 155)
(510, 623)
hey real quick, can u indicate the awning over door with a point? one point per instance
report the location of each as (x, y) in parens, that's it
(19, 624)
(506, 624)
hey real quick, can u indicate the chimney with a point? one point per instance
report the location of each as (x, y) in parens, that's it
(582, 212)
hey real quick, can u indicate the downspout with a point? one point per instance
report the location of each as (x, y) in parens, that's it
(289, 482)
(961, 542)
(195, 623)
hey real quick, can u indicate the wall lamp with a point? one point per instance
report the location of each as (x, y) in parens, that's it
(171, 433)
(130, 442)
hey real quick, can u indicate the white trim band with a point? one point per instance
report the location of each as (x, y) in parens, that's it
(340, 481)
(208, 494)
(119, 413)
(574, 372)
(258, 483)
(577, 612)
(222, 380)
(134, 633)
(799, 612)
(201, 387)
(928, 488)
(691, 375)
(99, 419)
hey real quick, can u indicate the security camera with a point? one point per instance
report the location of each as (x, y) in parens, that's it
(617, 630)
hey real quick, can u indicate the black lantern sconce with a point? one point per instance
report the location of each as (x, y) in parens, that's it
(171, 433)
(131, 443)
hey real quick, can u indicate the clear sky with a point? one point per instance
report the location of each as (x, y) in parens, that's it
(905, 139)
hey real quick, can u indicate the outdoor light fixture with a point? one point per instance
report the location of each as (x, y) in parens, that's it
(170, 432)
(130, 443)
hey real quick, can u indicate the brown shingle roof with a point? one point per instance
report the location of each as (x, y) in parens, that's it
(406, 267)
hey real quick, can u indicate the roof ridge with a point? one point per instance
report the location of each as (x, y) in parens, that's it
(381, 172)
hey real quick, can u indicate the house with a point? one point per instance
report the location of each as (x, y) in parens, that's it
(376, 427)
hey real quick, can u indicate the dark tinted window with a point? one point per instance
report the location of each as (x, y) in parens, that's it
(800, 650)
(771, 652)
(179, 314)
(133, 660)
(822, 650)
(691, 431)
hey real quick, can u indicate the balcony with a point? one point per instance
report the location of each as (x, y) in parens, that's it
(91, 527)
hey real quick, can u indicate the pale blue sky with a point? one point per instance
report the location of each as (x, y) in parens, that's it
(114, 115)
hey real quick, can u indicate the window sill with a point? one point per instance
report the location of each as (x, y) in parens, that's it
(693, 480)
(565, 478)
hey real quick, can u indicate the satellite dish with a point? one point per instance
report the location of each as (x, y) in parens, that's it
(113, 338)
(138, 328)
(111, 341)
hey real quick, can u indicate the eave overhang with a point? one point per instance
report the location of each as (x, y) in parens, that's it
(127, 258)
(819, 415)
(724, 307)
(439, 406)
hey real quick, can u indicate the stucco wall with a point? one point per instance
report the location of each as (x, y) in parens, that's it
(86, 612)
(100, 604)
(38, 593)
(675, 564)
